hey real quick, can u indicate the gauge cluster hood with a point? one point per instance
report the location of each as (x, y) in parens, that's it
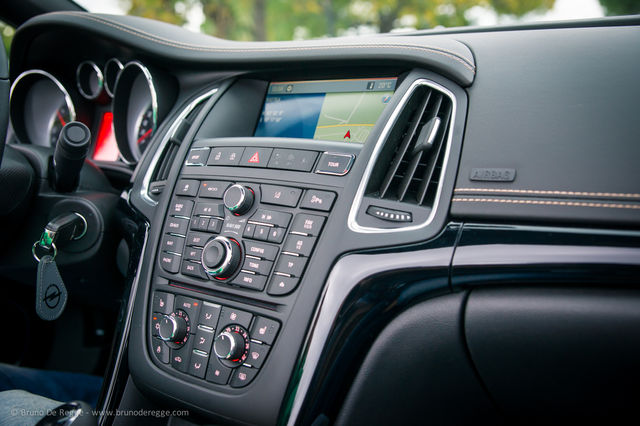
(443, 54)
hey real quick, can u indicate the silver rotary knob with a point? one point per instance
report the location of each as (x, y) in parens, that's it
(221, 257)
(238, 199)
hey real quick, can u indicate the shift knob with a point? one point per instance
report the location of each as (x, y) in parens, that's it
(68, 158)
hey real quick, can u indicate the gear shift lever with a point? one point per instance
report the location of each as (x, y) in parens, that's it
(68, 158)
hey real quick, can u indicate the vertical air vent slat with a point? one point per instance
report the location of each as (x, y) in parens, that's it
(411, 162)
(404, 146)
(435, 158)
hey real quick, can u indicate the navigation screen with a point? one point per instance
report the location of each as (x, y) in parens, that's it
(331, 110)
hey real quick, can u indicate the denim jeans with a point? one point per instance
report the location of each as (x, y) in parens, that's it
(21, 408)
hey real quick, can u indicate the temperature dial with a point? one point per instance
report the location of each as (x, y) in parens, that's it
(232, 345)
(175, 328)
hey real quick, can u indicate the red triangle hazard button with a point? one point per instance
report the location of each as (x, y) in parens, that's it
(255, 158)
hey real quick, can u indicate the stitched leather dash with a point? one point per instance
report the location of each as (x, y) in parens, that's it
(551, 192)
(548, 203)
(203, 48)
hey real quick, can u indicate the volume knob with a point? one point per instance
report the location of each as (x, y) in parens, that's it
(238, 199)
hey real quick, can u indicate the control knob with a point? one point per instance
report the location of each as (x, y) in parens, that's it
(221, 257)
(173, 329)
(238, 199)
(232, 345)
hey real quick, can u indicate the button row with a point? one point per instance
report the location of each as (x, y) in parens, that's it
(195, 356)
(337, 164)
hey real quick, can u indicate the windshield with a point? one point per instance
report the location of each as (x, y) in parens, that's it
(304, 19)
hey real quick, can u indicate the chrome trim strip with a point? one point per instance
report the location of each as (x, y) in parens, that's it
(67, 98)
(336, 292)
(146, 182)
(357, 202)
(118, 64)
(98, 73)
(124, 338)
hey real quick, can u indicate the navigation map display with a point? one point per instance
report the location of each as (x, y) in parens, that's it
(331, 110)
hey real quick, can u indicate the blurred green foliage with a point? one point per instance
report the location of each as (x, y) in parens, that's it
(7, 32)
(286, 19)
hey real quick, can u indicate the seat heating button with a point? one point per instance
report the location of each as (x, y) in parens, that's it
(162, 302)
(265, 330)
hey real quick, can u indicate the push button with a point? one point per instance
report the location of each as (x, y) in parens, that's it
(252, 281)
(280, 286)
(203, 340)
(172, 243)
(317, 200)
(276, 235)
(199, 223)
(257, 354)
(280, 195)
(243, 376)
(233, 316)
(197, 157)
(264, 251)
(187, 187)
(225, 156)
(161, 351)
(291, 265)
(193, 253)
(261, 233)
(197, 239)
(218, 373)
(308, 224)
(334, 164)
(155, 324)
(213, 188)
(209, 314)
(299, 244)
(190, 306)
(181, 207)
(292, 159)
(170, 262)
(256, 157)
(262, 267)
(162, 302)
(265, 330)
(272, 217)
(215, 225)
(180, 357)
(193, 269)
(210, 209)
(176, 225)
(249, 230)
(198, 364)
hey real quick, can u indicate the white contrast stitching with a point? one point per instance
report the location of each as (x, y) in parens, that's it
(548, 203)
(551, 192)
(202, 48)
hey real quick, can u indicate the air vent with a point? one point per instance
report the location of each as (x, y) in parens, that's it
(411, 172)
(403, 183)
(168, 150)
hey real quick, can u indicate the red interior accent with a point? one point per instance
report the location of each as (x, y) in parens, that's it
(106, 146)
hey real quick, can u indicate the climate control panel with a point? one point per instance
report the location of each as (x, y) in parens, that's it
(213, 342)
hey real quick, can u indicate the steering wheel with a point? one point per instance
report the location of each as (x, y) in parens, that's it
(4, 99)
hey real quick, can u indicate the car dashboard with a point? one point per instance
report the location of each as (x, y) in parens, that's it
(436, 226)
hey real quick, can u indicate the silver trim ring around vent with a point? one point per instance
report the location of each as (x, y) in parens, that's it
(146, 182)
(352, 220)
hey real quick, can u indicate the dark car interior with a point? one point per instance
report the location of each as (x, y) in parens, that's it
(437, 227)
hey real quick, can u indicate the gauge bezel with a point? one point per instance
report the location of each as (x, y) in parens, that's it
(17, 97)
(122, 116)
(81, 79)
(107, 71)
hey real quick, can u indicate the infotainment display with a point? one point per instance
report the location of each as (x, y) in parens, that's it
(333, 110)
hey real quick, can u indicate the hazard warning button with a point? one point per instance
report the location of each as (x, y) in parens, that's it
(256, 157)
